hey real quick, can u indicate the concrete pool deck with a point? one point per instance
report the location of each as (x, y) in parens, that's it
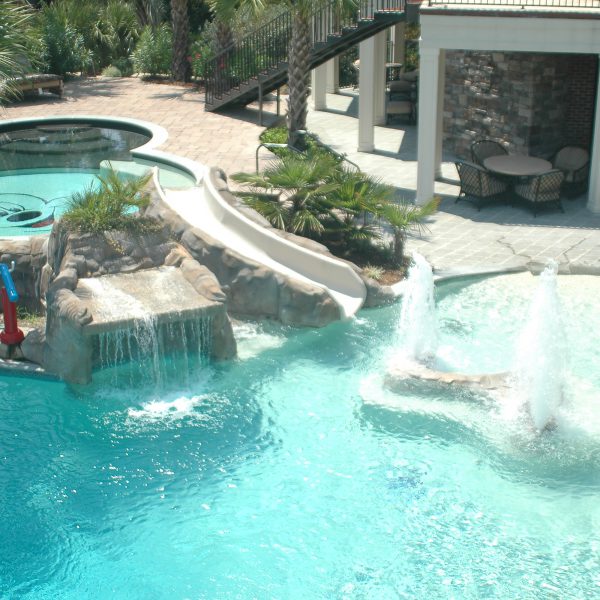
(459, 237)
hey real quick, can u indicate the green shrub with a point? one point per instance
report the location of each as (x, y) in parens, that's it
(64, 48)
(124, 65)
(153, 52)
(110, 207)
(201, 53)
(118, 31)
(111, 71)
(279, 135)
(373, 271)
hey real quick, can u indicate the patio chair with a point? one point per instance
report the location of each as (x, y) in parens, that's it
(400, 108)
(574, 162)
(483, 149)
(401, 90)
(542, 189)
(478, 185)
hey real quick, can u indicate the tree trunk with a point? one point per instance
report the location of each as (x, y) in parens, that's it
(298, 79)
(223, 33)
(180, 67)
(399, 239)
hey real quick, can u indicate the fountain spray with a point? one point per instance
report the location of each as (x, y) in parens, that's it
(418, 321)
(541, 353)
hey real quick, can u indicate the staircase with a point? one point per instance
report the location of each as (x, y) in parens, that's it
(258, 64)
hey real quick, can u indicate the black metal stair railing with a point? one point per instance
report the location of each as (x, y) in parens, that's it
(265, 49)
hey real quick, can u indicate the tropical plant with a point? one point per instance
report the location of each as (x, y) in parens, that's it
(314, 195)
(118, 31)
(373, 271)
(293, 193)
(404, 218)
(110, 206)
(64, 46)
(111, 71)
(201, 53)
(149, 12)
(153, 52)
(15, 18)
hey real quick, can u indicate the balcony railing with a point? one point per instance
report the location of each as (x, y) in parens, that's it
(523, 3)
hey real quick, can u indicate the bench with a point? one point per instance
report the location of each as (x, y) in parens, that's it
(38, 82)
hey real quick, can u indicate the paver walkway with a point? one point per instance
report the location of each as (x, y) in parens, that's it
(459, 237)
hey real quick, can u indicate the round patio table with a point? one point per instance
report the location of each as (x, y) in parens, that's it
(516, 165)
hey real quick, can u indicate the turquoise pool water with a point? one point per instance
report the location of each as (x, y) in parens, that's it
(292, 473)
(30, 200)
(42, 166)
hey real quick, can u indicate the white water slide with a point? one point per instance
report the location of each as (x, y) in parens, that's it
(204, 207)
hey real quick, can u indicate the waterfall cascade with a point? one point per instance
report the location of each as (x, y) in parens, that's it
(143, 320)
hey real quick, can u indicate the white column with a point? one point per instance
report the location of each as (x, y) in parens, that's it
(399, 37)
(439, 133)
(594, 189)
(366, 98)
(319, 87)
(333, 75)
(428, 122)
(380, 46)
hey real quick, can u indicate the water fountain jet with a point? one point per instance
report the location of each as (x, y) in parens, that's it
(418, 321)
(539, 373)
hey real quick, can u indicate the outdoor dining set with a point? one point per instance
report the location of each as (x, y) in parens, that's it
(494, 174)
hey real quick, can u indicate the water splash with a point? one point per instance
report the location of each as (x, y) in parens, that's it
(540, 368)
(418, 321)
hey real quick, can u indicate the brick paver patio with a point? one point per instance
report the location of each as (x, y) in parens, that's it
(459, 236)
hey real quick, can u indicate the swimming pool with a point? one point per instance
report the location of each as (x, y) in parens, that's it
(42, 163)
(287, 474)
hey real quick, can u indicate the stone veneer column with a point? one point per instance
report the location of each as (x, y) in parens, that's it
(594, 189)
(319, 87)
(366, 98)
(333, 75)
(429, 90)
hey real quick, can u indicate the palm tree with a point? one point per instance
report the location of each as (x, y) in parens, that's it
(149, 12)
(15, 35)
(224, 13)
(312, 194)
(294, 193)
(403, 218)
(180, 67)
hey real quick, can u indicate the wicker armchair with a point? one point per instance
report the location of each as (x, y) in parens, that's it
(574, 162)
(484, 149)
(478, 185)
(542, 189)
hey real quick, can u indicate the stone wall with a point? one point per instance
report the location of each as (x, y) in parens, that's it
(583, 74)
(519, 99)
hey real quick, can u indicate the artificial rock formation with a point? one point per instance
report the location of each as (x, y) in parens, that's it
(130, 265)
(252, 289)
